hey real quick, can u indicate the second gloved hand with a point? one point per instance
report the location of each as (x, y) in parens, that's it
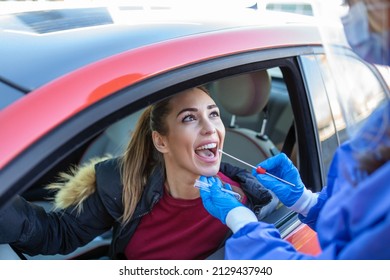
(298, 197)
(217, 202)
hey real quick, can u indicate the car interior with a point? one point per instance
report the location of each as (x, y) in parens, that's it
(257, 114)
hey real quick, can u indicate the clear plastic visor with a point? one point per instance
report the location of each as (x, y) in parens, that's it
(361, 90)
(366, 25)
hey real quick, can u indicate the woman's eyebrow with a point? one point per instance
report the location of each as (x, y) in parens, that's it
(187, 109)
(212, 106)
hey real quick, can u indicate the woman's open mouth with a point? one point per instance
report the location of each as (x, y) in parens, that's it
(208, 151)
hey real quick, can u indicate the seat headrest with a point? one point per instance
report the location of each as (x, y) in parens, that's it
(246, 94)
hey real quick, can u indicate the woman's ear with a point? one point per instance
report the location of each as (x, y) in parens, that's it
(159, 142)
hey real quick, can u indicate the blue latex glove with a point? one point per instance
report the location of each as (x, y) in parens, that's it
(281, 166)
(217, 202)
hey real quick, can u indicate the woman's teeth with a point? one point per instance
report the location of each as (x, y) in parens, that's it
(204, 151)
(208, 146)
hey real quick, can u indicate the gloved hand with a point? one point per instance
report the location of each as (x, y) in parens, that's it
(281, 166)
(217, 202)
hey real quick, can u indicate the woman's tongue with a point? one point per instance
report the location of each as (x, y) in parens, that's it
(205, 153)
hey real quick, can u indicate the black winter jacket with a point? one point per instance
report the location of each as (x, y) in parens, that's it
(23, 224)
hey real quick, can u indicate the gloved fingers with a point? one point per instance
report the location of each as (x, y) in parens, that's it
(211, 181)
(216, 190)
(223, 195)
(204, 194)
(268, 181)
(228, 187)
(203, 179)
(215, 181)
(270, 163)
(276, 164)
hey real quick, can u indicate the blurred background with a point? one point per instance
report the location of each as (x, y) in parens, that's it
(305, 7)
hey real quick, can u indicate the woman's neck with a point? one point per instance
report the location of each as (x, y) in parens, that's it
(181, 186)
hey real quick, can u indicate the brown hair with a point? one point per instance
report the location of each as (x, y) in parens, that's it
(141, 157)
(370, 162)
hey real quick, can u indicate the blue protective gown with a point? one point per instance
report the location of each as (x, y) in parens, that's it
(352, 216)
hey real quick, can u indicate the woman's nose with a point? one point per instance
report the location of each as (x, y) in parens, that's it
(208, 128)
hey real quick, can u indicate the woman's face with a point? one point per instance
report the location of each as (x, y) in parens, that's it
(195, 133)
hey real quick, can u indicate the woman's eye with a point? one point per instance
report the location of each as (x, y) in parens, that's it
(214, 114)
(189, 118)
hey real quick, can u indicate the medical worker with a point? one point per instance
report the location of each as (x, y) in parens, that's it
(352, 214)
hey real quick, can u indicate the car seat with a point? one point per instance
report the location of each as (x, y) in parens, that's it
(113, 140)
(245, 95)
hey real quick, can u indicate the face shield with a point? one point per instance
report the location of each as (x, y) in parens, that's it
(366, 26)
(359, 33)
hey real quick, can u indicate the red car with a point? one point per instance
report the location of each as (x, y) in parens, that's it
(74, 80)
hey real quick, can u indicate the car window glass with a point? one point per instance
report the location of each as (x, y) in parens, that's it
(361, 92)
(9, 95)
(365, 93)
(322, 114)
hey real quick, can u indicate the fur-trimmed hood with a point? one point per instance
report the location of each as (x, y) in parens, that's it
(74, 186)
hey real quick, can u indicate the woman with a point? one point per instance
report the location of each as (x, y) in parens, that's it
(147, 196)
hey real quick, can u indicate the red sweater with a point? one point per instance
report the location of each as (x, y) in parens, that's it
(178, 229)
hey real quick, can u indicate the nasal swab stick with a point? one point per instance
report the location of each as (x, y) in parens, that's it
(258, 169)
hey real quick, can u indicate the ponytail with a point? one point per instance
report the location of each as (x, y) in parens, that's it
(141, 156)
(136, 163)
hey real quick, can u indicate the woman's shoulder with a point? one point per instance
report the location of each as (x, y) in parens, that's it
(108, 170)
(108, 177)
(109, 185)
